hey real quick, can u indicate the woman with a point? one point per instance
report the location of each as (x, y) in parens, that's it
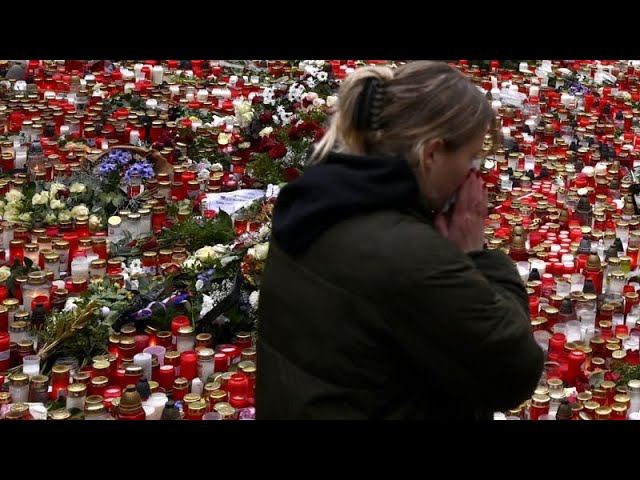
(378, 300)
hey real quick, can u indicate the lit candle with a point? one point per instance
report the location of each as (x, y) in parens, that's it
(158, 351)
(144, 360)
(104, 144)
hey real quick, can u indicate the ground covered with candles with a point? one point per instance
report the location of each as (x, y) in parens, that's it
(137, 199)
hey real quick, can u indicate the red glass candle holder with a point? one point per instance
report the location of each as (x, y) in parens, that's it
(189, 364)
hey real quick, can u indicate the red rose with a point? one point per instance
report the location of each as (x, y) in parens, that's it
(266, 116)
(266, 144)
(278, 151)
(294, 133)
(257, 99)
(290, 174)
(319, 134)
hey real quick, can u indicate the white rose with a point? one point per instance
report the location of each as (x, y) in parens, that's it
(54, 188)
(79, 211)
(331, 100)
(206, 252)
(77, 188)
(223, 138)
(25, 217)
(94, 222)
(5, 272)
(266, 131)
(50, 219)
(261, 250)
(13, 195)
(38, 200)
(64, 216)
(56, 204)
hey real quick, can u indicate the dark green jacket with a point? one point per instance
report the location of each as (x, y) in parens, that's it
(380, 317)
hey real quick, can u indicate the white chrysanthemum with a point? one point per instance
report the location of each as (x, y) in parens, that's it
(51, 218)
(322, 76)
(311, 82)
(25, 217)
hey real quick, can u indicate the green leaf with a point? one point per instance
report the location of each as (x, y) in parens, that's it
(596, 378)
(28, 263)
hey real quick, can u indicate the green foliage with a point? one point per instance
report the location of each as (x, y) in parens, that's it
(199, 232)
(265, 170)
(627, 372)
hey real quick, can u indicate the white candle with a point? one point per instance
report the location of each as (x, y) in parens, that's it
(105, 144)
(21, 157)
(255, 79)
(49, 95)
(506, 132)
(157, 74)
(31, 365)
(174, 89)
(144, 360)
(495, 93)
(534, 90)
(202, 95)
(565, 99)
(137, 70)
(195, 124)
(524, 67)
(494, 82)
(189, 97)
(152, 103)
(496, 104)
(158, 351)
(197, 386)
(134, 137)
(64, 130)
(128, 87)
(233, 79)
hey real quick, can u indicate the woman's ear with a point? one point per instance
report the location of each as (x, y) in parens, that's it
(430, 153)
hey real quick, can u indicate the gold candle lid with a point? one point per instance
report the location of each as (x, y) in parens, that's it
(59, 414)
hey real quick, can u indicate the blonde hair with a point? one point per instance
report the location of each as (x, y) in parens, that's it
(420, 101)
